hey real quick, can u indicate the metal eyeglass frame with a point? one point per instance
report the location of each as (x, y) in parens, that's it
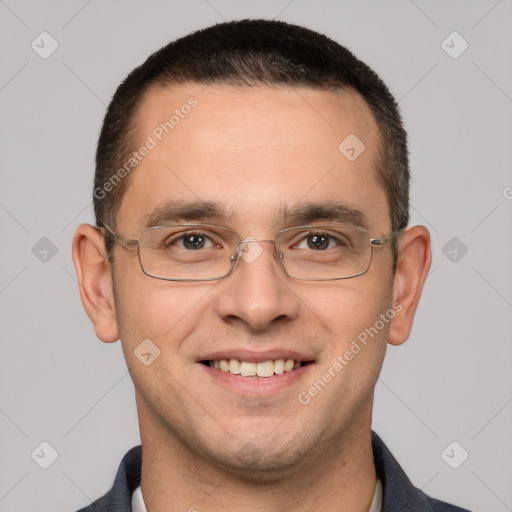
(108, 231)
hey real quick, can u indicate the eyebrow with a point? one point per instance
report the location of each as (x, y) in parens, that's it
(179, 211)
(176, 211)
(330, 211)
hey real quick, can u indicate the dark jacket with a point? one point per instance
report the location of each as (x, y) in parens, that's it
(398, 493)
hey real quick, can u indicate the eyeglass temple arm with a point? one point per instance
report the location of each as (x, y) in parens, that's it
(110, 232)
(384, 240)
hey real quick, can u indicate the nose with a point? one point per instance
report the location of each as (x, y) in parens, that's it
(256, 292)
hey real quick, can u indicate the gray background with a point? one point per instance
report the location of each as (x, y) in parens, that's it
(450, 382)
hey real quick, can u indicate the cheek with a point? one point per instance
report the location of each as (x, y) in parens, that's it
(352, 313)
(149, 308)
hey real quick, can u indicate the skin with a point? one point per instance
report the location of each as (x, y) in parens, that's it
(253, 150)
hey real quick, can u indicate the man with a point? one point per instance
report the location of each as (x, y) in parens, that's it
(252, 254)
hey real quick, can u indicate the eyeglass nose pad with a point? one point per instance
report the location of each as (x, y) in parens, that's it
(249, 252)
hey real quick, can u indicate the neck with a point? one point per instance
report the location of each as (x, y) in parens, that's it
(340, 476)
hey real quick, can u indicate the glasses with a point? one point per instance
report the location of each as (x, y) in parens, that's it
(204, 252)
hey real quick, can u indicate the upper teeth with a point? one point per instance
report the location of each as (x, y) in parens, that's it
(248, 369)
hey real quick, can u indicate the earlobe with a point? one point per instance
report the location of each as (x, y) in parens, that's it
(414, 259)
(93, 272)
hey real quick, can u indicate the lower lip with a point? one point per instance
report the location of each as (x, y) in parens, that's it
(256, 386)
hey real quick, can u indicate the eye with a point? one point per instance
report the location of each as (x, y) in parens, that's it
(191, 242)
(318, 242)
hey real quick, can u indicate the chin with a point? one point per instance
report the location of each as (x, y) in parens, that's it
(262, 460)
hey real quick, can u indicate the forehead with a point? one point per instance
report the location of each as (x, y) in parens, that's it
(255, 150)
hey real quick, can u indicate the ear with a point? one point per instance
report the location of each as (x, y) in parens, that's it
(414, 259)
(94, 281)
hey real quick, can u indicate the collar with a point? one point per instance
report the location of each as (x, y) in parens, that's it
(398, 493)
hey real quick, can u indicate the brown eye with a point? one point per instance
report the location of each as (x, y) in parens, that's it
(189, 242)
(194, 241)
(318, 241)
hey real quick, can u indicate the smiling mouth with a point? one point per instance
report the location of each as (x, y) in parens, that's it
(261, 369)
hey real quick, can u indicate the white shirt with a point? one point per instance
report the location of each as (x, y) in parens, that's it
(139, 506)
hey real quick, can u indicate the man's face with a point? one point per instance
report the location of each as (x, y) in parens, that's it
(255, 153)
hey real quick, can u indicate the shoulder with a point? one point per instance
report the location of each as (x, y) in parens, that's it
(441, 506)
(128, 477)
(398, 492)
